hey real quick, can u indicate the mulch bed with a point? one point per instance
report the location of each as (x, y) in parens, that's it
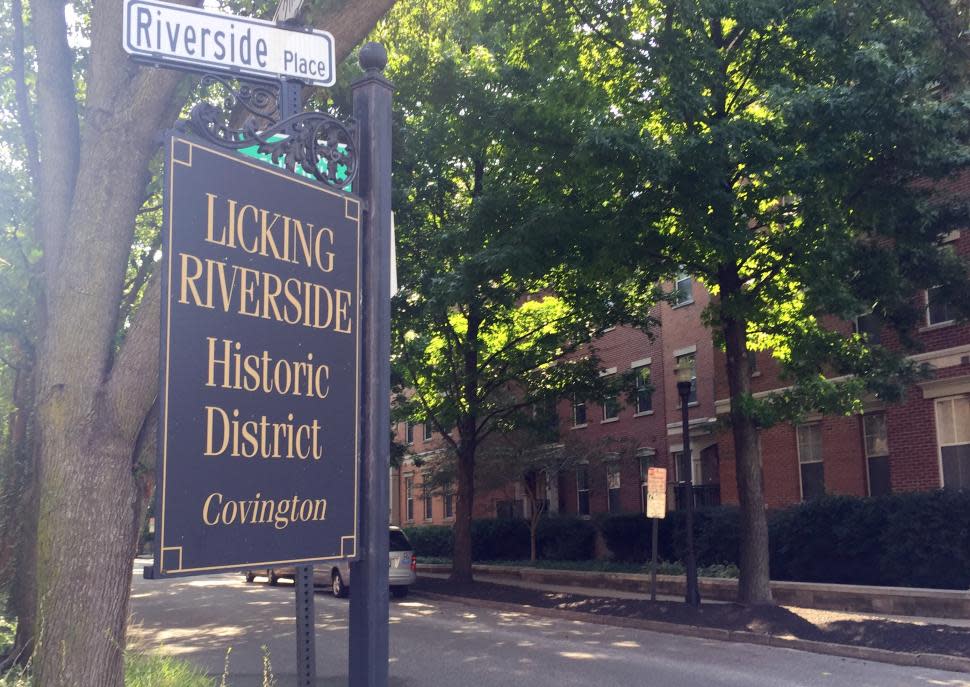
(854, 630)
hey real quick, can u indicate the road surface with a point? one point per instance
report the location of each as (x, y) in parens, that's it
(438, 644)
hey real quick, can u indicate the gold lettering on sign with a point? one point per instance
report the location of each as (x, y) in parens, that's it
(280, 513)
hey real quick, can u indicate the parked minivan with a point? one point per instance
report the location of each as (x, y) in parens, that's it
(336, 574)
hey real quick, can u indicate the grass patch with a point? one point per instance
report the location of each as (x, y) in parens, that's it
(141, 670)
(726, 570)
(148, 670)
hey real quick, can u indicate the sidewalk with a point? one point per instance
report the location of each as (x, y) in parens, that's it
(812, 614)
(929, 642)
(880, 601)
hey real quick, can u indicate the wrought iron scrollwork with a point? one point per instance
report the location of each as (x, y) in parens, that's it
(313, 143)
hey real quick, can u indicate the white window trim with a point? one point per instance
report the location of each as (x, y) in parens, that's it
(951, 236)
(798, 454)
(409, 497)
(939, 442)
(614, 418)
(636, 366)
(930, 326)
(679, 278)
(573, 407)
(686, 350)
(585, 467)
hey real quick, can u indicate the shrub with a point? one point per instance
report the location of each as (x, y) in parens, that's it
(627, 536)
(832, 539)
(431, 541)
(926, 540)
(717, 535)
(565, 538)
(500, 539)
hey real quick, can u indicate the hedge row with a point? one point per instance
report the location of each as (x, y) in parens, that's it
(904, 540)
(907, 540)
(558, 538)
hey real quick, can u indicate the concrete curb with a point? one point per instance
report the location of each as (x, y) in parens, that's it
(901, 658)
(931, 603)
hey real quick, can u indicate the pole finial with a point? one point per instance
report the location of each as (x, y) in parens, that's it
(373, 57)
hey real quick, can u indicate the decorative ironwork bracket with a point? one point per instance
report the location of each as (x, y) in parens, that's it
(318, 143)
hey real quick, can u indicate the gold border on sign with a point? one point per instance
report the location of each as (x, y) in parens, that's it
(350, 201)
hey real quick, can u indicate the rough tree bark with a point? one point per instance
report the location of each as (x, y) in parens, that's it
(92, 401)
(754, 583)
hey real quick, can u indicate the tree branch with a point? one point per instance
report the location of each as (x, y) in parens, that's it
(60, 135)
(23, 95)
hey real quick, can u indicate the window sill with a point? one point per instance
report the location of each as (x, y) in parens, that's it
(609, 420)
(682, 304)
(756, 373)
(645, 413)
(692, 404)
(937, 325)
(582, 426)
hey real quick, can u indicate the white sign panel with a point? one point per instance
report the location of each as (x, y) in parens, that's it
(194, 38)
(656, 492)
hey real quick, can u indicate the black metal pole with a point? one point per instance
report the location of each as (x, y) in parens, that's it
(369, 596)
(692, 595)
(291, 103)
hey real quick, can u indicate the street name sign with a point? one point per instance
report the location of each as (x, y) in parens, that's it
(259, 365)
(190, 38)
(656, 492)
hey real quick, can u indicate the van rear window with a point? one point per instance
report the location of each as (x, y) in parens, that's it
(399, 542)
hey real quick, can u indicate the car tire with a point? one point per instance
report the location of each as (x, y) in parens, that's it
(399, 591)
(273, 577)
(337, 585)
(250, 576)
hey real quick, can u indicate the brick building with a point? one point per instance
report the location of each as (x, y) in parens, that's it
(921, 443)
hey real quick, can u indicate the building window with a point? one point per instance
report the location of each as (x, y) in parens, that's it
(449, 499)
(611, 408)
(409, 433)
(613, 486)
(508, 509)
(696, 467)
(877, 453)
(643, 391)
(937, 309)
(953, 432)
(810, 462)
(409, 499)
(582, 490)
(689, 359)
(683, 290)
(752, 362)
(579, 413)
(644, 461)
(428, 506)
(869, 326)
(428, 430)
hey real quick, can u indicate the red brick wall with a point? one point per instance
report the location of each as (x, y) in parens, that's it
(913, 455)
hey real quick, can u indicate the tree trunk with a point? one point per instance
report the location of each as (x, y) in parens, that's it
(461, 561)
(754, 582)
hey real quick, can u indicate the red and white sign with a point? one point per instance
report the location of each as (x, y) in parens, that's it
(656, 492)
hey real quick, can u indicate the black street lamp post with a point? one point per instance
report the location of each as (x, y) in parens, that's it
(685, 374)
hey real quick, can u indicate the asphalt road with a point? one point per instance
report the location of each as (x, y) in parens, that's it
(437, 643)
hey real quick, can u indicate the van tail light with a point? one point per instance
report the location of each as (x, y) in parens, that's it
(414, 563)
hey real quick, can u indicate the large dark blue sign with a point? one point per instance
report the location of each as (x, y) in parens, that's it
(259, 390)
